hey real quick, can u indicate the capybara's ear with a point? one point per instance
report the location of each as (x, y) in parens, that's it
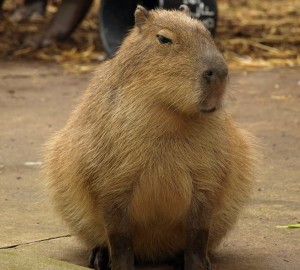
(141, 15)
(185, 9)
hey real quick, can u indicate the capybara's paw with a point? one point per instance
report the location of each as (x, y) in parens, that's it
(99, 258)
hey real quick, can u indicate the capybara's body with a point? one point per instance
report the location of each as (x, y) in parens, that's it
(149, 156)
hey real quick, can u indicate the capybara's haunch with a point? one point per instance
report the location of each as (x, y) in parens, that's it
(149, 165)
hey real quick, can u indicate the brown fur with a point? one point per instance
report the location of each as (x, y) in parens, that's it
(139, 157)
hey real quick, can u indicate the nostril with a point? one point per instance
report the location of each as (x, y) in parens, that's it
(208, 74)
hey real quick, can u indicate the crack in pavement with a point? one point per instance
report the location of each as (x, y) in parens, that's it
(28, 76)
(36, 241)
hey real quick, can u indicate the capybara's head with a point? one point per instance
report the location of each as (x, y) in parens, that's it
(171, 58)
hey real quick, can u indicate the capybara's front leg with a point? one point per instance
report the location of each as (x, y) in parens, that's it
(196, 257)
(119, 235)
(198, 224)
(122, 257)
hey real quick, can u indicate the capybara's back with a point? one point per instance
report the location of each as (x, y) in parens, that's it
(150, 166)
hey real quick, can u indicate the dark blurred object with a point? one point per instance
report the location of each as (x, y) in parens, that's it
(1, 4)
(116, 17)
(28, 9)
(70, 13)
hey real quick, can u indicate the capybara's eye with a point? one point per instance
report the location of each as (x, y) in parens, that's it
(163, 39)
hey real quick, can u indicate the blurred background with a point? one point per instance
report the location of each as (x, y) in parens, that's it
(251, 33)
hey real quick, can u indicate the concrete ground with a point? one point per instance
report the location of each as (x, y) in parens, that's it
(35, 100)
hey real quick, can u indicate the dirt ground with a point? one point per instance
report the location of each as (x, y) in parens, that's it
(35, 100)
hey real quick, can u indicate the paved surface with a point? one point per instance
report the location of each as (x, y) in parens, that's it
(35, 100)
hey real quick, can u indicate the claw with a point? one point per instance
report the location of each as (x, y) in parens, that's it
(208, 263)
(92, 258)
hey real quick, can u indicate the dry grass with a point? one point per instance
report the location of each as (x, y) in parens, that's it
(256, 33)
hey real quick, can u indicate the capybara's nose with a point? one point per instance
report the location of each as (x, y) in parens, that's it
(216, 74)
